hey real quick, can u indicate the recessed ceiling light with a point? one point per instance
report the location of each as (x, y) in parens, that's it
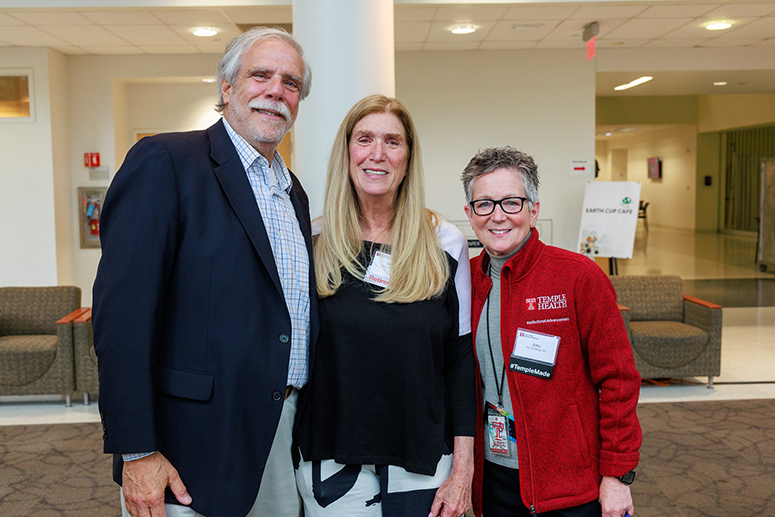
(720, 83)
(636, 82)
(608, 134)
(205, 32)
(208, 80)
(462, 29)
(718, 25)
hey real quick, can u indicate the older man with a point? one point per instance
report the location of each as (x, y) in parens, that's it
(559, 435)
(204, 303)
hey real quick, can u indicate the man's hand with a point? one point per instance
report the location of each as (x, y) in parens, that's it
(453, 498)
(144, 482)
(615, 498)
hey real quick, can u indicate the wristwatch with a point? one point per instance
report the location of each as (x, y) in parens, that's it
(628, 478)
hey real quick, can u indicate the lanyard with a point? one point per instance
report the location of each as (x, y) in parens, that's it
(498, 384)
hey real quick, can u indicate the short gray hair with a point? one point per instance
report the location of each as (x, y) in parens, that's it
(493, 158)
(231, 61)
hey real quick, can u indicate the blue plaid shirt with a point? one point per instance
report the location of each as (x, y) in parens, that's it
(271, 186)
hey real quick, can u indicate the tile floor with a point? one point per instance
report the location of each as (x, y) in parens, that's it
(717, 267)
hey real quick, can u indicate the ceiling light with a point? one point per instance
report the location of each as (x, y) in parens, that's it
(720, 83)
(208, 80)
(636, 82)
(718, 25)
(462, 29)
(205, 32)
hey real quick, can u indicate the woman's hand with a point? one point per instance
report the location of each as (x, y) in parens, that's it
(453, 498)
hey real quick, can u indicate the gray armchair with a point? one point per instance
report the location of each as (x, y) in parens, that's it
(36, 340)
(672, 334)
(86, 379)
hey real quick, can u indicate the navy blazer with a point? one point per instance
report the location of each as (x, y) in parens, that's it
(190, 324)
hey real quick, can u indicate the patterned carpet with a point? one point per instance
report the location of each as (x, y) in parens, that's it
(714, 459)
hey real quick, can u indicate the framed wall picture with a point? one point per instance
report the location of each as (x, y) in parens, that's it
(17, 103)
(89, 207)
(654, 168)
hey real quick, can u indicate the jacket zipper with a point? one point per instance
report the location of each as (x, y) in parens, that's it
(533, 510)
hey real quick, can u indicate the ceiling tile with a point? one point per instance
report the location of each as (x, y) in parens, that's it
(91, 35)
(148, 35)
(440, 32)
(547, 12)
(27, 36)
(466, 13)
(761, 28)
(169, 49)
(9, 20)
(113, 50)
(719, 42)
(212, 48)
(517, 31)
(651, 28)
(507, 45)
(766, 43)
(456, 45)
(411, 13)
(558, 44)
(743, 10)
(122, 17)
(675, 43)
(52, 17)
(408, 47)
(226, 33)
(677, 11)
(625, 43)
(193, 17)
(408, 32)
(260, 16)
(574, 29)
(600, 12)
(696, 29)
(71, 50)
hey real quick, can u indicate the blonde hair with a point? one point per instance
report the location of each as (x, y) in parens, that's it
(419, 268)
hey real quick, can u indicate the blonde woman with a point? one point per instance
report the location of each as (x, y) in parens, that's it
(387, 422)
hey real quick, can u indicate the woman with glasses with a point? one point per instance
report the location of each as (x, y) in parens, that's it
(559, 435)
(387, 421)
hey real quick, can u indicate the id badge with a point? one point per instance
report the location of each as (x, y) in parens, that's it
(498, 429)
(378, 272)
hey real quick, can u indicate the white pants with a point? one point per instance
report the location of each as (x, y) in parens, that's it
(277, 495)
(330, 489)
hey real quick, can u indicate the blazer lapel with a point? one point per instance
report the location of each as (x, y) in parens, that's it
(234, 182)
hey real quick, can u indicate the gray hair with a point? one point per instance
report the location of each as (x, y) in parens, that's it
(493, 158)
(231, 61)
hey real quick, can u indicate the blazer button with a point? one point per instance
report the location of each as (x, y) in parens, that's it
(105, 437)
(284, 338)
(277, 396)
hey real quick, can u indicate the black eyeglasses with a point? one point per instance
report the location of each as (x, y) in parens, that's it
(510, 205)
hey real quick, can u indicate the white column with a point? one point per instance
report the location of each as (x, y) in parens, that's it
(349, 44)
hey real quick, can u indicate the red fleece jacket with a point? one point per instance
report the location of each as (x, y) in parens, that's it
(580, 424)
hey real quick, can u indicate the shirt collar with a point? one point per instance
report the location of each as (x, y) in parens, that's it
(249, 155)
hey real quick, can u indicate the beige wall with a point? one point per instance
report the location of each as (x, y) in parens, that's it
(28, 233)
(672, 199)
(723, 112)
(464, 101)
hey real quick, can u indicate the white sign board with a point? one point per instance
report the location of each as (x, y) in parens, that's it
(609, 219)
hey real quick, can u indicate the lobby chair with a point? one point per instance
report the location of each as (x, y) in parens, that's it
(36, 340)
(673, 335)
(86, 379)
(642, 207)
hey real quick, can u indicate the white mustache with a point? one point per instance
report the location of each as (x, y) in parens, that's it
(264, 104)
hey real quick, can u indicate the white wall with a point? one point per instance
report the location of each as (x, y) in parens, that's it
(541, 101)
(28, 229)
(106, 104)
(672, 199)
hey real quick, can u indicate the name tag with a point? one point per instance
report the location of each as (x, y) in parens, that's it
(378, 272)
(534, 353)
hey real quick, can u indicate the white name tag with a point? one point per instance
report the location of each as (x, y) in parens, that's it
(534, 353)
(378, 272)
